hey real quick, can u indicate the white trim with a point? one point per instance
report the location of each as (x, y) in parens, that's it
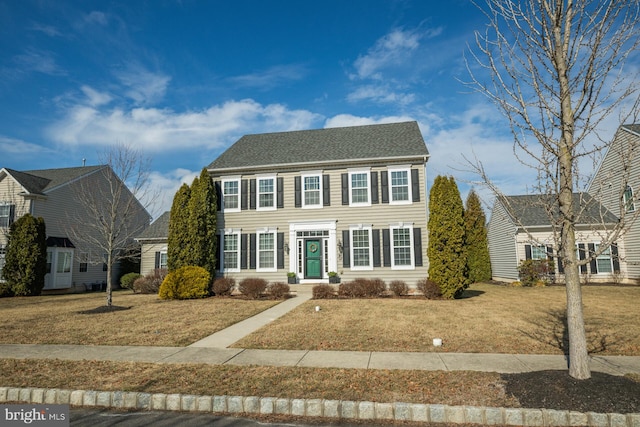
(412, 258)
(230, 232)
(274, 192)
(273, 232)
(407, 170)
(238, 181)
(352, 248)
(367, 173)
(320, 190)
(332, 243)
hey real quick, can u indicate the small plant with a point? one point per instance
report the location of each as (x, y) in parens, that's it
(534, 271)
(252, 288)
(127, 280)
(291, 278)
(185, 283)
(333, 277)
(223, 286)
(150, 283)
(323, 291)
(291, 274)
(278, 290)
(399, 288)
(430, 289)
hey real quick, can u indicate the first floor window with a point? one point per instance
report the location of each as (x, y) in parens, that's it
(361, 248)
(603, 261)
(83, 259)
(402, 247)
(49, 261)
(266, 251)
(163, 260)
(64, 262)
(538, 252)
(231, 249)
(230, 195)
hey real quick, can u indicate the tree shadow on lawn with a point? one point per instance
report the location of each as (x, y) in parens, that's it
(105, 309)
(471, 293)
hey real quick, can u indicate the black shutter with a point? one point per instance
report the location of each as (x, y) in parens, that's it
(527, 251)
(280, 251)
(592, 263)
(415, 185)
(386, 248)
(376, 247)
(280, 190)
(374, 188)
(384, 183)
(252, 251)
(12, 214)
(243, 251)
(582, 255)
(345, 188)
(244, 194)
(218, 195)
(417, 246)
(297, 184)
(346, 249)
(326, 191)
(252, 194)
(218, 252)
(157, 265)
(615, 258)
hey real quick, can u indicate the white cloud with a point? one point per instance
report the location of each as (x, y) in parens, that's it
(271, 77)
(391, 50)
(380, 94)
(343, 120)
(39, 61)
(95, 98)
(96, 17)
(164, 185)
(143, 86)
(49, 30)
(19, 148)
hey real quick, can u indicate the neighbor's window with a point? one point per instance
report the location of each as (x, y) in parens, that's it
(231, 194)
(266, 193)
(538, 252)
(267, 251)
(401, 241)
(361, 248)
(231, 251)
(162, 262)
(83, 259)
(359, 188)
(400, 188)
(49, 261)
(603, 261)
(2, 252)
(64, 262)
(6, 215)
(312, 191)
(629, 204)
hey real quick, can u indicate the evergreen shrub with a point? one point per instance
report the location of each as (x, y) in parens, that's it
(26, 256)
(223, 286)
(252, 287)
(185, 283)
(127, 280)
(278, 290)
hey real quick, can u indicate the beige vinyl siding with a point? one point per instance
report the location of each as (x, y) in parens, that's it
(378, 216)
(607, 187)
(148, 255)
(501, 234)
(10, 193)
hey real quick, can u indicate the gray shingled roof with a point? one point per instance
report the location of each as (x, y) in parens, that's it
(159, 229)
(531, 210)
(394, 140)
(39, 181)
(633, 127)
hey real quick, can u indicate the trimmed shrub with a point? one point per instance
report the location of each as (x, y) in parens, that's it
(278, 290)
(127, 280)
(150, 284)
(430, 289)
(399, 288)
(323, 291)
(252, 288)
(536, 272)
(362, 288)
(376, 288)
(185, 283)
(223, 286)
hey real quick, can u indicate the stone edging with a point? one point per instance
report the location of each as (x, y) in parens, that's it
(338, 409)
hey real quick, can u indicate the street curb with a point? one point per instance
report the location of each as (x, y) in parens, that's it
(317, 408)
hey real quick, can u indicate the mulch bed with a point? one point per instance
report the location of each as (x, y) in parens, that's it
(601, 393)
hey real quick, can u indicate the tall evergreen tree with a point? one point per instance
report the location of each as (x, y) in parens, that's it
(446, 250)
(26, 256)
(202, 223)
(478, 262)
(178, 239)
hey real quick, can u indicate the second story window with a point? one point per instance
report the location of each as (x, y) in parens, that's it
(312, 191)
(359, 188)
(266, 193)
(231, 195)
(629, 204)
(400, 186)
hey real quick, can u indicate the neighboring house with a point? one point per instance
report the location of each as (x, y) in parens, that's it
(53, 195)
(349, 200)
(617, 185)
(520, 229)
(154, 245)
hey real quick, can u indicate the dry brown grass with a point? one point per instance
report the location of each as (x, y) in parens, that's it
(452, 388)
(492, 319)
(147, 321)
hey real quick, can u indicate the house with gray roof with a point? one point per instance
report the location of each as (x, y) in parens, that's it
(528, 226)
(350, 201)
(153, 242)
(53, 194)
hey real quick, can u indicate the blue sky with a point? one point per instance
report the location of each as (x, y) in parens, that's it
(182, 80)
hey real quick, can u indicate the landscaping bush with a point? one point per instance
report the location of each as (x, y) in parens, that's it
(376, 288)
(323, 291)
(399, 288)
(185, 283)
(252, 288)
(430, 289)
(278, 290)
(362, 288)
(127, 280)
(223, 286)
(536, 272)
(150, 284)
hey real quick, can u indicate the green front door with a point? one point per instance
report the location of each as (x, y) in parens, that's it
(312, 259)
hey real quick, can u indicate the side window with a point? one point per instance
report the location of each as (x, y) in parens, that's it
(628, 200)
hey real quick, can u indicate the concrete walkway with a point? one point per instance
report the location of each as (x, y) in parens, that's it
(214, 350)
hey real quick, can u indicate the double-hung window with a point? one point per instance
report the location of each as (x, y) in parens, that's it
(6, 214)
(359, 188)
(266, 247)
(231, 251)
(627, 196)
(400, 185)
(162, 262)
(361, 248)
(231, 195)
(311, 191)
(266, 193)
(538, 252)
(603, 261)
(402, 247)
(83, 261)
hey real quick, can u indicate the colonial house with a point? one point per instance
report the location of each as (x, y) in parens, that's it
(55, 195)
(616, 184)
(350, 201)
(153, 242)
